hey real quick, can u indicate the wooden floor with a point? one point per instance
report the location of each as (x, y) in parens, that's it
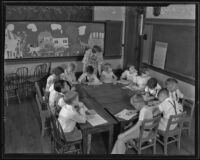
(22, 133)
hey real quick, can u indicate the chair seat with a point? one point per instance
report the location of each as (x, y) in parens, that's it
(35, 79)
(171, 132)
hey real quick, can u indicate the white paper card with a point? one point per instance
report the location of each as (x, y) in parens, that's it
(160, 54)
(96, 119)
(124, 114)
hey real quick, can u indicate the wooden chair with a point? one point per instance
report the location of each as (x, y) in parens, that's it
(188, 107)
(170, 136)
(143, 142)
(11, 87)
(61, 145)
(22, 73)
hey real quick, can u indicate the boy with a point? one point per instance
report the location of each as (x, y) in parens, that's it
(168, 107)
(57, 90)
(89, 77)
(144, 113)
(107, 75)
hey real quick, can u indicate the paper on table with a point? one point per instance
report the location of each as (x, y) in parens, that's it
(123, 114)
(96, 119)
(123, 81)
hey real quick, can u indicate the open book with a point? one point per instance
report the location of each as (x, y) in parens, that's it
(126, 114)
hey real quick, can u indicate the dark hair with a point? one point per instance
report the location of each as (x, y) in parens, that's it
(70, 96)
(163, 91)
(96, 49)
(73, 66)
(58, 70)
(137, 98)
(106, 65)
(59, 84)
(169, 80)
(152, 83)
(128, 66)
(90, 69)
(143, 70)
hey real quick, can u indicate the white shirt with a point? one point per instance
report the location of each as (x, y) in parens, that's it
(145, 113)
(84, 76)
(70, 77)
(53, 97)
(108, 77)
(50, 81)
(142, 81)
(154, 91)
(167, 109)
(130, 77)
(68, 117)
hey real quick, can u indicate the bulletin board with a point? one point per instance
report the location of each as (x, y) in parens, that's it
(36, 39)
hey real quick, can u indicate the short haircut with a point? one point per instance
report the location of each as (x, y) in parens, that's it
(59, 84)
(171, 80)
(143, 70)
(137, 98)
(152, 83)
(70, 96)
(58, 70)
(129, 66)
(96, 48)
(163, 91)
(73, 66)
(106, 66)
(90, 69)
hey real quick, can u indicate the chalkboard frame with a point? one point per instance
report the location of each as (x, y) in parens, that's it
(55, 57)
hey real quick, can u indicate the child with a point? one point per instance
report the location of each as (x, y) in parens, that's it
(89, 77)
(73, 112)
(107, 75)
(168, 107)
(143, 78)
(130, 74)
(69, 73)
(57, 90)
(152, 89)
(93, 57)
(145, 112)
(174, 92)
(55, 75)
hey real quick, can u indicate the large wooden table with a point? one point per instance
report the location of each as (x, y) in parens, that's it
(107, 100)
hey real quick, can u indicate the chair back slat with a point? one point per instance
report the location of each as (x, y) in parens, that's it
(40, 70)
(11, 81)
(175, 121)
(38, 91)
(22, 73)
(188, 107)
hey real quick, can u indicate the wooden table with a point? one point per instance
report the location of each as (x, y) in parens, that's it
(87, 128)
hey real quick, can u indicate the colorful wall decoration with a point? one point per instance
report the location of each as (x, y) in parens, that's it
(33, 39)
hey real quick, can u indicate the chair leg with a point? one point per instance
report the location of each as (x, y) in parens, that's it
(179, 142)
(7, 98)
(165, 145)
(18, 96)
(154, 147)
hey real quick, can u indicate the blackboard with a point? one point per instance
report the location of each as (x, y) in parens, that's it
(180, 56)
(36, 39)
(113, 41)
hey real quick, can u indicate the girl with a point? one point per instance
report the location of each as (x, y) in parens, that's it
(130, 74)
(107, 75)
(69, 73)
(55, 75)
(145, 112)
(143, 78)
(89, 77)
(93, 57)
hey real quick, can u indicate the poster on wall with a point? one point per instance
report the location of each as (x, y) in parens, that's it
(160, 54)
(51, 39)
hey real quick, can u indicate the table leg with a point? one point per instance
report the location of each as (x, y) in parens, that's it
(110, 141)
(85, 142)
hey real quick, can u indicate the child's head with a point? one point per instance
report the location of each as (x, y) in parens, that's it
(58, 71)
(96, 49)
(137, 101)
(132, 69)
(107, 67)
(71, 98)
(171, 84)
(89, 70)
(163, 94)
(152, 83)
(71, 67)
(62, 86)
(144, 71)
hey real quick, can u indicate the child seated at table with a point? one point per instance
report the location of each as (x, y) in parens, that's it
(145, 112)
(143, 78)
(89, 77)
(55, 75)
(107, 75)
(152, 89)
(73, 111)
(57, 90)
(130, 74)
(167, 107)
(69, 73)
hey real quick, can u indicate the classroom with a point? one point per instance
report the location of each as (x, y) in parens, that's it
(100, 79)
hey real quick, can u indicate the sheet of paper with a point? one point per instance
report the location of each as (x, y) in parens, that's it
(96, 119)
(160, 54)
(123, 82)
(124, 114)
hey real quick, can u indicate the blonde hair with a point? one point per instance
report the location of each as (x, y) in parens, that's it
(137, 98)
(70, 96)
